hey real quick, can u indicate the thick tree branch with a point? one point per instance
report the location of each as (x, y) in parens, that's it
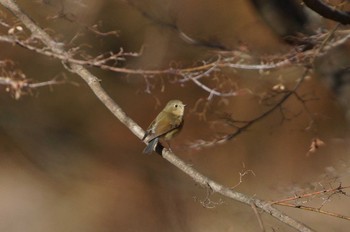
(328, 12)
(95, 86)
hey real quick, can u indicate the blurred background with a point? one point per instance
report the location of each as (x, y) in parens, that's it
(66, 164)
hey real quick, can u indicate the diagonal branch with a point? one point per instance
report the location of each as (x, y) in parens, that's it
(94, 83)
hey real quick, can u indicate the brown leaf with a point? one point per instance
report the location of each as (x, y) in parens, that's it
(316, 143)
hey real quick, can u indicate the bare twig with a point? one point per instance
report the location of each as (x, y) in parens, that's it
(318, 210)
(19, 87)
(223, 139)
(212, 92)
(338, 189)
(258, 216)
(322, 43)
(330, 192)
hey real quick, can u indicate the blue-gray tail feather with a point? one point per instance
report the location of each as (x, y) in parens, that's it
(151, 146)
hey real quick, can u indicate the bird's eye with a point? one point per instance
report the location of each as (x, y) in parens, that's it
(175, 106)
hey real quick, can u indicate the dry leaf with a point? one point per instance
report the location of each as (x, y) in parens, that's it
(316, 143)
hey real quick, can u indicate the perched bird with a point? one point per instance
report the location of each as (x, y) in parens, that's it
(168, 123)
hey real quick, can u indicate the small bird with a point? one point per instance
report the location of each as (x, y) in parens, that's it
(166, 125)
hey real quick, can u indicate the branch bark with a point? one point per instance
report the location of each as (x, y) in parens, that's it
(94, 83)
(328, 12)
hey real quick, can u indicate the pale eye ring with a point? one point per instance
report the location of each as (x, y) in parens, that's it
(176, 105)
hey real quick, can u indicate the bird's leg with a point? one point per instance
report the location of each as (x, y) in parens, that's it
(168, 145)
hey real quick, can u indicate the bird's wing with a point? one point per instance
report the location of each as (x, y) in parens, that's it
(166, 125)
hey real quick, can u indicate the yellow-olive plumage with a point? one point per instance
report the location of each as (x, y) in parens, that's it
(167, 124)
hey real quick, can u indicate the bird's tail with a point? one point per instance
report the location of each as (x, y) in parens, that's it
(151, 146)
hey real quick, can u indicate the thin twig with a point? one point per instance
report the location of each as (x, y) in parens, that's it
(258, 216)
(308, 208)
(223, 139)
(338, 189)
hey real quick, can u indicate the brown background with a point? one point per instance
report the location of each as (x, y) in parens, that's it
(68, 165)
